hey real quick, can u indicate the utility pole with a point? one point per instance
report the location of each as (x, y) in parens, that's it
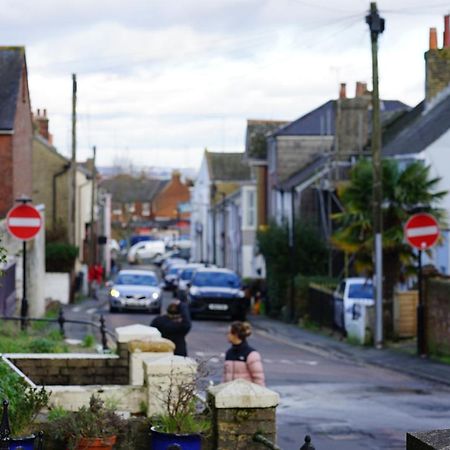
(73, 166)
(92, 259)
(213, 206)
(376, 25)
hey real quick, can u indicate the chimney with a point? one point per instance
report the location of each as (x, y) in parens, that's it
(361, 89)
(447, 31)
(433, 39)
(343, 90)
(42, 125)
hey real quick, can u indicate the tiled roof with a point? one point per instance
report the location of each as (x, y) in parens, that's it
(227, 166)
(416, 130)
(128, 189)
(255, 141)
(321, 121)
(11, 64)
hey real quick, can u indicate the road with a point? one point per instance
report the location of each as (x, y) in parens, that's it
(342, 403)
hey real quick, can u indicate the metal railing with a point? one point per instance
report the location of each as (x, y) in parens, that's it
(61, 321)
(260, 438)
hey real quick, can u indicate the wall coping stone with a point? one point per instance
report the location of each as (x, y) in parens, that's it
(435, 439)
(58, 356)
(243, 394)
(166, 364)
(136, 332)
(156, 345)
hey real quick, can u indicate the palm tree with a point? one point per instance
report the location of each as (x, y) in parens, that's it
(405, 191)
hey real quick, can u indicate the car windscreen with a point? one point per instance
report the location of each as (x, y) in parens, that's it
(363, 290)
(187, 274)
(216, 279)
(175, 270)
(138, 280)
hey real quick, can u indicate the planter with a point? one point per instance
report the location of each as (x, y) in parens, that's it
(105, 443)
(160, 440)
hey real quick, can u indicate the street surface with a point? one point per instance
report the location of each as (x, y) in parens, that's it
(341, 402)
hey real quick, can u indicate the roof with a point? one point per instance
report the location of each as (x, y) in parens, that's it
(321, 121)
(419, 128)
(125, 188)
(12, 60)
(227, 166)
(255, 141)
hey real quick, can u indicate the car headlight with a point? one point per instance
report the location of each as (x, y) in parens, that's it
(194, 291)
(155, 296)
(115, 293)
(241, 294)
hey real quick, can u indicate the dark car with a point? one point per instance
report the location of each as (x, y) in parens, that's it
(216, 293)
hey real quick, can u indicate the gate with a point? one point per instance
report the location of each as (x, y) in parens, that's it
(8, 289)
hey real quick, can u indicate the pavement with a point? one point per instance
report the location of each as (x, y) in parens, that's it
(390, 358)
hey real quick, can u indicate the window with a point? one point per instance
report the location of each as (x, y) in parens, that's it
(131, 208)
(146, 209)
(250, 212)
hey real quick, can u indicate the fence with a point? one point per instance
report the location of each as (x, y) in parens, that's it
(321, 306)
(61, 321)
(8, 289)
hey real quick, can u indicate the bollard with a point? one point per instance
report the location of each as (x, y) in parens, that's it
(61, 321)
(5, 430)
(307, 445)
(103, 332)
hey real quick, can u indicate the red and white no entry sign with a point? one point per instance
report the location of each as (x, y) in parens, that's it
(24, 221)
(422, 231)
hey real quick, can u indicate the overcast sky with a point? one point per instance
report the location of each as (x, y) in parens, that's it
(159, 80)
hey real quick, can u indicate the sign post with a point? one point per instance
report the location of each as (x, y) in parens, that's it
(421, 232)
(24, 222)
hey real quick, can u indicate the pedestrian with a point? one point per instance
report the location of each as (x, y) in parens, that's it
(241, 360)
(175, 325)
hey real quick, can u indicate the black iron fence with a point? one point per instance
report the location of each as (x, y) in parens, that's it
(61, 320)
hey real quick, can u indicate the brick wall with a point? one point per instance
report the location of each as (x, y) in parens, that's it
(6, 174)
(166, 202)
(437, 315)
(66, 369)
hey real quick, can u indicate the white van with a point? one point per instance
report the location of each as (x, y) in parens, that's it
(145, 250)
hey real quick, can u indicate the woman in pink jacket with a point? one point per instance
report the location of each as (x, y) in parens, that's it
(241, 360)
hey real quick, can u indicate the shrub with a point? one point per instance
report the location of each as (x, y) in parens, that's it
(60, 257)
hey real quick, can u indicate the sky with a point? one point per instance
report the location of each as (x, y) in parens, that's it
(160, 81)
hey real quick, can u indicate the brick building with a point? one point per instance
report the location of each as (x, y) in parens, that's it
(16, 130)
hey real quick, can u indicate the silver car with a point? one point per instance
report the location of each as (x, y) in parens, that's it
(135, 290)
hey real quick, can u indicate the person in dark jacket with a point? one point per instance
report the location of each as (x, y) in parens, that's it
(175, 325)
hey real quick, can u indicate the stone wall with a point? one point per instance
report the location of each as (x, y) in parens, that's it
(437, 315)
(437, 71)
(74, 369)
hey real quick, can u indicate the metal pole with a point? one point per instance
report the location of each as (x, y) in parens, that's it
(292, 257)
(93, 259)
(24, 306)
(421, 343)
(73, 163)
(376, 24)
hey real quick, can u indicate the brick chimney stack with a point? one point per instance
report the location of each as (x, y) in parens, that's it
(343, 90)
(41, 121)
(361, 89)
(437, 63)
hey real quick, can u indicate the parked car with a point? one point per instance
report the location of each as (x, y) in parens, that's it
(217, 292)
(145, 250)
(185, 278)
(137, 290)
(350, 293)
(171, 275)
(170, 262)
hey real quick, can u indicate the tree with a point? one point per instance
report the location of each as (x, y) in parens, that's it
(405, 191)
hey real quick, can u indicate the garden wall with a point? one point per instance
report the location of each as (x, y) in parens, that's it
(74, 368)
(57, 287)
(437, 315)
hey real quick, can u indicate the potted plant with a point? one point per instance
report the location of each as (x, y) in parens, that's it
(21, 405)
(185, 419)
(88, 428)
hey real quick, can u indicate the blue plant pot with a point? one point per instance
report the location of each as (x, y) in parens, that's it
(160, 440)
(22, 443)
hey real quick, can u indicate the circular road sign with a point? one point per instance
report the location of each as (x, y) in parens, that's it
(422, 231)
(24, 222)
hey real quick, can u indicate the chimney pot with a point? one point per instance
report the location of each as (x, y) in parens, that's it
(361, 89)
(433, 39)
(343, 90)
(447, 31)
(38, 112)
(45, 113)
